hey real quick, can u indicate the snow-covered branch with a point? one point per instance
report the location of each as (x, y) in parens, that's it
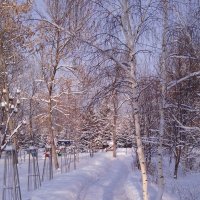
(194, 128)
(182, 56)
(13, 133)
(175, 82)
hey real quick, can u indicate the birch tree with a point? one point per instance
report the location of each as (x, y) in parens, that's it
(131, 61)
(162, 102)
(120, 47)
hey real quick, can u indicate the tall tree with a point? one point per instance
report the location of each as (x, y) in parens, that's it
(183, 83)
(55, 49)
(121, 26)
(162, 101)
(13, 36)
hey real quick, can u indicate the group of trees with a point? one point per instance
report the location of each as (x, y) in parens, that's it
(93, 71)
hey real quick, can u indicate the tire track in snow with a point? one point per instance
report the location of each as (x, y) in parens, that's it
(105, 163)
(111, 184)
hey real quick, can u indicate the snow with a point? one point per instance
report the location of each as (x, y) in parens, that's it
(99, 178)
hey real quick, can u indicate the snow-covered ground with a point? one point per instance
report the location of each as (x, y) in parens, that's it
(99, 178)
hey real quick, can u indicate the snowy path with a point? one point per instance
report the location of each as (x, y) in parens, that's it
(109, 185)
(99, 178)
(103, 178)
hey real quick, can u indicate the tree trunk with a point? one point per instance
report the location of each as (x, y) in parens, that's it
(115, 124)
(114, 139)
(160, 157)
(162, 103)
(177, 161)
(31, 120)
(131, 73)
(140, 152)
(52, 137)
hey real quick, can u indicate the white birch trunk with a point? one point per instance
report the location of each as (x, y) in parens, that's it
(161, 183)
(160, 157)
(140, 153)
(129, 38)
